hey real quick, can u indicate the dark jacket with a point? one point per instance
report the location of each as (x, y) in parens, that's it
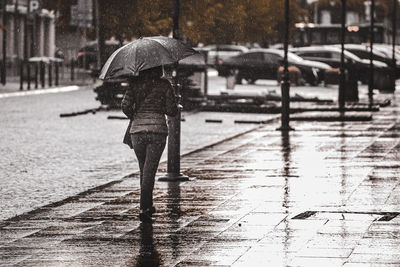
(147, 102)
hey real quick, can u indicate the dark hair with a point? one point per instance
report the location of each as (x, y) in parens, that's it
(155, 72)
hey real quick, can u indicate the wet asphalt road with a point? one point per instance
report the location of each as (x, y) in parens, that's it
(45, 158)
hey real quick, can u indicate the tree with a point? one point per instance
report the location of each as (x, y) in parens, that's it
(206, 21)
(211, 21)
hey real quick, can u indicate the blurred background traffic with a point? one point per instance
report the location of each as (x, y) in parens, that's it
(52, 42)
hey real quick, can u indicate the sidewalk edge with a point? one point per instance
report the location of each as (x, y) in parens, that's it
(100, 187)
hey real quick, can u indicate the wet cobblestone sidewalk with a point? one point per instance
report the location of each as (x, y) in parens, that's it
(326, 194)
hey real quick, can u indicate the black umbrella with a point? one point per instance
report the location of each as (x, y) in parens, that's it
(144, 53)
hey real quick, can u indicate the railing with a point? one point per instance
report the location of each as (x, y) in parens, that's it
(42, 72)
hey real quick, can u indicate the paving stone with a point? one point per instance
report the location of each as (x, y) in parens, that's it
(241, 208)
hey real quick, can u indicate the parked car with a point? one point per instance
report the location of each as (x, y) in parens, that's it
(264, 64)
(221, 52)
(387, 49)
(381, 52)
(363, 52)
(87, 55)
(358, 68)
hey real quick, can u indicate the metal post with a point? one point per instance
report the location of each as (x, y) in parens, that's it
(26, 50)
(371, 56)
(50, 70)
(394, 33)
(17, 41)
(205, 54)
(42, 73)
(4, 66)
(26, 32)
(85, 67)
(342, 86)
(285, 84)
(28, 66)
(21, 76)
(16, 30)
(36, 75)
(33, 31)
(97, 20)
(72, 69)
(57, 72)
(174, 136)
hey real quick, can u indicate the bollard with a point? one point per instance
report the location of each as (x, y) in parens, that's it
(57, 73)
(50, 74)
(28, 70)
(21, 76)
(42, 74)
(36, 75)
(72, 69)
(174, 142)
(3, 70)
(206, 74)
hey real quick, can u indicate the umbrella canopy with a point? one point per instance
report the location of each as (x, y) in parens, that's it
(142, 54)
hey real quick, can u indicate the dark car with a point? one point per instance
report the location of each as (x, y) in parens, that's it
(358, 68)
(264, 64)
(363, 52)
(87, 55)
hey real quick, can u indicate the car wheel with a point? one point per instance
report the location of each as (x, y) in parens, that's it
(313, 82)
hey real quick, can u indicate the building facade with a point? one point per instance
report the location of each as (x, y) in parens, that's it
(29, 31)
(325, 27)
(70, 40)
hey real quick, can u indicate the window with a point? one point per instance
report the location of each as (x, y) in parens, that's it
(253, 57)
(336, 56)
(314, 54)
(272, 58)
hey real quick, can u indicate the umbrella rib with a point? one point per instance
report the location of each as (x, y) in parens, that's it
(168, 51)
(108, 63)
(144, 53)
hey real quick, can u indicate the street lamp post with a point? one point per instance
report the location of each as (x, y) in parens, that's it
(342, 67)
(26, 53)
(3, 66)
(285, 84)
(394, 32)
(174, 123)
(97, 21)
(371, 55)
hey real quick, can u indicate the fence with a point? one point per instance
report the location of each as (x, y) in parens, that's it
(46, 72)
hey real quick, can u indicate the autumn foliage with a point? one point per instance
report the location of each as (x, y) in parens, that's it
(205, 21)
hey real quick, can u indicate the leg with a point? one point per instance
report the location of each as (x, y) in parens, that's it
(154, 151)
(139, 146)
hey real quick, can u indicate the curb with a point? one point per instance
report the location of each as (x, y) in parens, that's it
(103, 186)
(42, 91)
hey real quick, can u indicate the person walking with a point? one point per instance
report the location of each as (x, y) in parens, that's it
(148, 99)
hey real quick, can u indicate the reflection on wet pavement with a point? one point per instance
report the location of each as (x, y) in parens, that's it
(326, 194)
